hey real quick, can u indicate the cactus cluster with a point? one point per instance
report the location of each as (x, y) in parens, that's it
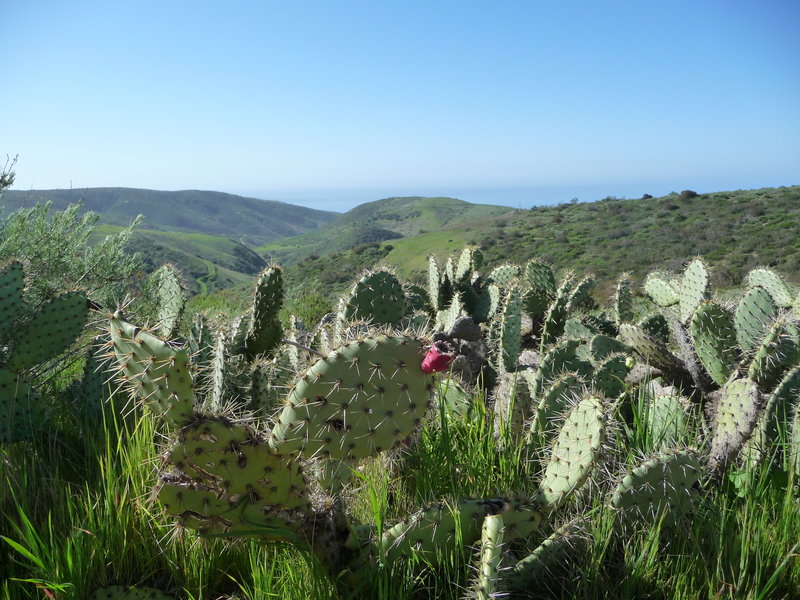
(561, 390)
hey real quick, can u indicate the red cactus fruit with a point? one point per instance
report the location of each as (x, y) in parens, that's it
(438, 358)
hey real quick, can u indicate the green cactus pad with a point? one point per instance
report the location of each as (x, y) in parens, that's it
(377, 297)
(602, 346)
(445, 319)
(556, 317)
(650, 348)
(559, 359)
(773, 283)
(714, 339)
(695, 288)
(774, 424)
(129, 592)
(440, 530)
(465, 266)
(364, 397)
(777, 352)
(661, 289)
(656, 325)
(22, 411)
(754, 315)
(580, 292)
(171, 299)
(156, 372)
(609, 376)
(666, 420)
(51, 331)
(510, 324)
(264, 332)
(227, 479)
(575, 329)
(12, 282)
(551, 405)
(735, 416)
(664, 487)
(539, 564)
(539, 275)
(491, 553)
(574, 453)
(434, 283)
(503, 275)
(623, 300)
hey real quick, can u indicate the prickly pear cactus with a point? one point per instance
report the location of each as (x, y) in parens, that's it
(574, 453)
(664, 487)
(754, 314)
(735, 416)
(377, 297)
(714, 339)
(773, 283)
(695, 287)
(225, 478)
(661, 289)
(623, 300)
(367, 396)
(264, 331)
(156, 372)
(171, 298)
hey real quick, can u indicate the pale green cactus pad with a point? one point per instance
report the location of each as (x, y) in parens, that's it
(366, 396)
(754, 315)
(773, 283)
(695, 287)
(661, 289)
(156, 372)
(735, 416)
(491, 553)
(714, 338)
(663, 488)
(574, 453)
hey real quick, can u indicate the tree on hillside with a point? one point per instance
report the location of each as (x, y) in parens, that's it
(7, 174)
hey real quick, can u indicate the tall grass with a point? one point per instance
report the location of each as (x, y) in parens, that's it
(77, 513)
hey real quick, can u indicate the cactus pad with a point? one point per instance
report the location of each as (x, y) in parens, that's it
(755, 313)
(51, 331)
(773, 283)
(695, 288)
(666, 484)
(574, 453)
(156, 372)
(714, 338)
(364, 397)
(661, 289)
(377, 297)
(735, 416)
(12, 282)
(21, 410)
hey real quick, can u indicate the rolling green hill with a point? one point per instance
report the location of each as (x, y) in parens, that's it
(735, 231)
(388, 219)
(249, 220)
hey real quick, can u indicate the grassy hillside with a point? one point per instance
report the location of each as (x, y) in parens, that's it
(208, 262)
(382, 220)
(734, 231)
(249, 220)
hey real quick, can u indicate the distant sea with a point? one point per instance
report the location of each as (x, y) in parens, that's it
(342, 200)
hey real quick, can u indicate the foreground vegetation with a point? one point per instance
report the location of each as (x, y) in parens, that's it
(505, 417)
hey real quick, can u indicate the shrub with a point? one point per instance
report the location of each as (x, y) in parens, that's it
(687, 194)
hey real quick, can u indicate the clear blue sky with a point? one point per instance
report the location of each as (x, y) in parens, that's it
(338, 102)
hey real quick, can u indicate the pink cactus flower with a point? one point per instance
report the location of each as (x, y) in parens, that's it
(438, 358)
